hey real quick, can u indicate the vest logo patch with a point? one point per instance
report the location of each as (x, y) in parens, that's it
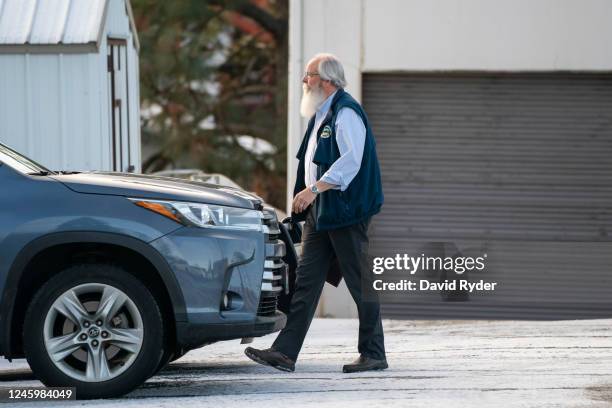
(326, 132)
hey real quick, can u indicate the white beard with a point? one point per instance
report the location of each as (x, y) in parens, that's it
(311, 100)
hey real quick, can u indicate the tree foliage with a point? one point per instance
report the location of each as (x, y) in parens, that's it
(213, 76)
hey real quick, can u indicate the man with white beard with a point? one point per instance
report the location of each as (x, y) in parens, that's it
(337, 191)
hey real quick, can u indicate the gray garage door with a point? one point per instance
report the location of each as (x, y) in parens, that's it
(515, 166)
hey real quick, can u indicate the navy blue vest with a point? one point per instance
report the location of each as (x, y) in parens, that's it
(363, 197)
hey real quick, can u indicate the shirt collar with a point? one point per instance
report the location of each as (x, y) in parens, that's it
(326, 104)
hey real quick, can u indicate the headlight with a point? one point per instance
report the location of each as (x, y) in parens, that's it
(205, 215)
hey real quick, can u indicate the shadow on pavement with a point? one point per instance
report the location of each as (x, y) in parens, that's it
(16, 375)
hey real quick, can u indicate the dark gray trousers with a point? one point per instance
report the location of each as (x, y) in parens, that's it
(350, 245)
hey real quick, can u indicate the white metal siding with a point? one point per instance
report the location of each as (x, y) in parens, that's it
(118, 26)
(50, 21)
(84, 21)
(117, 23)
(16, 21)
(45, 109)
(55, 107)
(80, 113)
(14, 105)
(50, 109)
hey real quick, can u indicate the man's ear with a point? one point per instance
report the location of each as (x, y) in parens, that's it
(329, 87)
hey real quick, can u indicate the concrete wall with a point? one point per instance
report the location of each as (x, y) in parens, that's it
(516, 35)
(315, 27)
(439, 35)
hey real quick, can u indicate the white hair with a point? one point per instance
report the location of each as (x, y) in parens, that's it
(330, 69)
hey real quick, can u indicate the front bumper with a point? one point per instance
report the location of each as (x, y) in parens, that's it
(190, 335)
(231, 281)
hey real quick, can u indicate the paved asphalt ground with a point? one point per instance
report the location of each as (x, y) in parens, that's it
(432, 364)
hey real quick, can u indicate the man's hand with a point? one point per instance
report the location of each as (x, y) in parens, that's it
(305, 197)
(302, 200)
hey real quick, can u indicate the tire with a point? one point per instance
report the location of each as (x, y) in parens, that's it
(168, 357)
(106, 347)
(177, 355)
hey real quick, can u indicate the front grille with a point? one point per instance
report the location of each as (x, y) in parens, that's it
(274, 267)
(271, 225)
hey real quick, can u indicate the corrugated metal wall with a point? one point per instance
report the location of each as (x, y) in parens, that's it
(518, 166)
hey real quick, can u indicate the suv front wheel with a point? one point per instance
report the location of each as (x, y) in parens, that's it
(94, 327)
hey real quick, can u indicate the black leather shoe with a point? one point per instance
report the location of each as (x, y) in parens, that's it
(270, 357)
(364, 363)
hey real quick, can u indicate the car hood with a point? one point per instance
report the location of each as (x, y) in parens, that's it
(155, 187)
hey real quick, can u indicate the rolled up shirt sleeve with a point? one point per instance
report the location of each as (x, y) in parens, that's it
(350, 137)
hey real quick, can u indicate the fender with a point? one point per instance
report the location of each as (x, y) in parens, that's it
(39, 244)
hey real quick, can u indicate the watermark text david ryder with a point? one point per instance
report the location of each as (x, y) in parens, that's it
(425, 285)
(411, 264)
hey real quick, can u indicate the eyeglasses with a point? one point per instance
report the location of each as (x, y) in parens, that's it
(310, 74)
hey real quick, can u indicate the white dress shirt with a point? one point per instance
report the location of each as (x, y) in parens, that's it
(350, 137)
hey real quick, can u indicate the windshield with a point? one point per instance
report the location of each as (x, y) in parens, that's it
(20, 163)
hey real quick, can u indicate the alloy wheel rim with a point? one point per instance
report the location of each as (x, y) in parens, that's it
(93, 332)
